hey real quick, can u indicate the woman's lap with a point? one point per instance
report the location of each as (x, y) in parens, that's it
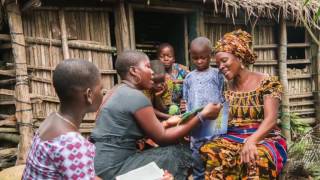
(176, 159)
(222, 160)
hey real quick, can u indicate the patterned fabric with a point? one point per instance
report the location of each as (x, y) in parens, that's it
(246, 111)
(199, 89)
(68, 156)
(179, 72)
(166, 98)
(237, 43)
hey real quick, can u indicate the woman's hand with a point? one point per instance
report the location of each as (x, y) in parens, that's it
(172, 121)
(249, 153)
(167, 176)
(211, 111)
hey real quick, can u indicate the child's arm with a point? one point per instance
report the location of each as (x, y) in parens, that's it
(178, 81)
(185, 90)
(161, 115)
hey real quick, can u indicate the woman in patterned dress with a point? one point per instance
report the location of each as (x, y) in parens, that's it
(253, 147)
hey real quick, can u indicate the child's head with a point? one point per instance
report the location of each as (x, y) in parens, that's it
(134, 66)
(166, 55)
(200, 52)
(78, 81)
(159, 75)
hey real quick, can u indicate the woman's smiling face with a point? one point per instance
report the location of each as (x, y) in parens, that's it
(228, 64)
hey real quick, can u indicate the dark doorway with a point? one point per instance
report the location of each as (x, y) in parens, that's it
(154, 28)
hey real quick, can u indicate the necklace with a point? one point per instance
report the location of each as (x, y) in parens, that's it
(67, 121)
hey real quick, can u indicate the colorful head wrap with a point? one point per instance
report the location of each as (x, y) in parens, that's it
(237, 43)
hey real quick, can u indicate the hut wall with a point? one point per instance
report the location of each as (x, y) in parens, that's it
(265, 47)
(88, 37)
(299, 69)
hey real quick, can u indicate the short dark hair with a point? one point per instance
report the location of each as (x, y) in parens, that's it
(157, 67)
(126, 59)
(164, 45)
(72, 75)
(201, 42)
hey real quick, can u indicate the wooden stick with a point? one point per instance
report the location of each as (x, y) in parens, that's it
(7, 82)
(317, 84)
(7, 92)
(4, 153)
(80, 44)
(23, 105)
(121, 29)
(285, 105)
(64, 38)
(10, 73)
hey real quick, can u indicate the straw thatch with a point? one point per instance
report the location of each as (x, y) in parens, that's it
(295, 10)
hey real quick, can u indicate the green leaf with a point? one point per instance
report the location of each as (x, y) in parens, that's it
(186, 116)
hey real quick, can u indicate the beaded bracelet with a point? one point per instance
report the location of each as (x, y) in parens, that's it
(200, 117)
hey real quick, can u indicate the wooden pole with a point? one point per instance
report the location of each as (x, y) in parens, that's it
(317, 83)
(121, 28)
(64, 37)
(23, 104)
(285, 108)
(131, 27)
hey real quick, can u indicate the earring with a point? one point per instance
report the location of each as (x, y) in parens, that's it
(242, 66)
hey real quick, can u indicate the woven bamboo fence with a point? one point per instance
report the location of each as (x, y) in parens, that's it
(88, 36)
(51, 35)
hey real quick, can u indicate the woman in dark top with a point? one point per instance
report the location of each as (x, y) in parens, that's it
(127, 116)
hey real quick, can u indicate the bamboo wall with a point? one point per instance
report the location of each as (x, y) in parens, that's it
(83, 28)
(300, 75)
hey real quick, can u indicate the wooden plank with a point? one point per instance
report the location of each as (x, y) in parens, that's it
(265, 46)
(316, 67)
(7, 102)
(8, 130)
(131, 27)
(7, 92)
(299, 61)
(285, 104)
(304, 111)
(266, 62)
(111, 71)
(161, 8)
(304, 95)
(5, 37)
(36, 97)
(5, 46)
(121, 28)
(298, 45)
(94, 9)
(10, 73)
(23, 105)
(38, 79)
(302, 103)
(64, 36)
(75, 44)
(300, 76)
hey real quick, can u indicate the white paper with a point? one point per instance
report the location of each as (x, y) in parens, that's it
(148, 172)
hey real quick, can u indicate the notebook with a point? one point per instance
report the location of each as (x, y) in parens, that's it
(148, 172)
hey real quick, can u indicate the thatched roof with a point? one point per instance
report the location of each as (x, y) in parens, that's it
(295, 10)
